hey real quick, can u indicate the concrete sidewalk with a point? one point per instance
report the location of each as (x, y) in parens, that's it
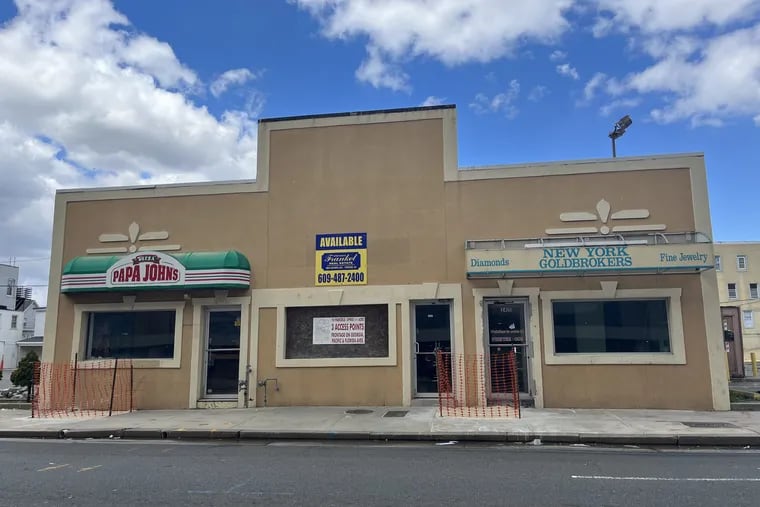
(617, 427)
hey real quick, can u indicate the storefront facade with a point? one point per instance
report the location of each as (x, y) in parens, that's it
(362, 248)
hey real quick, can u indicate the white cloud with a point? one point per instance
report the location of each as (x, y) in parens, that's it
(719, 80)
(667, 45)
(450, 31)
(557, 55)
(706, 121)
(460, 31)
(502, 102)
(603, 26)
(593, 84)
(432, 100)
(380, 73)
(567, 70)
(706, 57)
(655, 16)
(618, 104)
(158, 60)
(87, 101)
(230, 77)
(537, 93)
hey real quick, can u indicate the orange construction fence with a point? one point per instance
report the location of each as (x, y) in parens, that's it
(478, 385)
(75, 389)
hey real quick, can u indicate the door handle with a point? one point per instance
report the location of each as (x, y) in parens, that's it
(416, 347)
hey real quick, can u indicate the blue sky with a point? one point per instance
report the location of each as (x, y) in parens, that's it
(130, 90)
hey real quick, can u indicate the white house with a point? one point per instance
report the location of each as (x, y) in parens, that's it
(8, 282)
(18, 320)
(11, 329)
(33, 342)
(29, 308)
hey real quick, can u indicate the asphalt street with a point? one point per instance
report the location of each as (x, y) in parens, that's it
(91, 472)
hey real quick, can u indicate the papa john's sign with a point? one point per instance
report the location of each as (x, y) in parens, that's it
(146, 269)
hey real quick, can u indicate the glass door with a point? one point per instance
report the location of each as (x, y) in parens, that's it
(505, 330)
(432, 332)
(222, 353)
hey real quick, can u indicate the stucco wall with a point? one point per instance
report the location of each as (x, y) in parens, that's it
(387, 179)
(358, 385)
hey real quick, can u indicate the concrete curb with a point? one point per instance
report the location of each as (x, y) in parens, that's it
(628, 439)
(669, 440)
(30, 434)
(15, 405)
(143, 434)
(201, 434)
(101, 434)
(719, 440)
(745, 406)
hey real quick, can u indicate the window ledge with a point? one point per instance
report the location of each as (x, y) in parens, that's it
(605, 358)
(80, 329)
(675, 323)
(139, 363)
(336, 361)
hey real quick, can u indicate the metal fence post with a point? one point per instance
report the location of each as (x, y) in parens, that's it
(74, 391)
(36, 374)
(113, 385)
(132, 385)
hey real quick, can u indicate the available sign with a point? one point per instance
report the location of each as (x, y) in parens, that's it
(338, 330)
(146, 269)
(341, 259)
(589, 259)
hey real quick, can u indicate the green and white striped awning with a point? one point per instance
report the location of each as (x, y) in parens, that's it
(149, 270)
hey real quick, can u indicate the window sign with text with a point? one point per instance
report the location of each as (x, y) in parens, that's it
(338, 330)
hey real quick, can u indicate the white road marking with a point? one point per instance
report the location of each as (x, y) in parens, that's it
(53, 468)
(240, 485)
(672, 479)
(241, 493)
(87, 469)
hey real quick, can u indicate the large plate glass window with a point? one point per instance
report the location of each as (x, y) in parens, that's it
(615, 326)
(131, 334)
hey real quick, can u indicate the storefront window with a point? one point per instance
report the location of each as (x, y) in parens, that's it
(353, 331)
(134, 335)
(619, 326)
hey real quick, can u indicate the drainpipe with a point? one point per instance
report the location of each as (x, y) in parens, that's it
(263, 383)
(243, 384)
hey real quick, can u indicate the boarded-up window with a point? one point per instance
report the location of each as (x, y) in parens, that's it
(336, 331)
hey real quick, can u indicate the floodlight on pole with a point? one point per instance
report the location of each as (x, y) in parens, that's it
(618, 130)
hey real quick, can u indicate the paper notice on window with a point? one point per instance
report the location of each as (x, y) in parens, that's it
(338, 331)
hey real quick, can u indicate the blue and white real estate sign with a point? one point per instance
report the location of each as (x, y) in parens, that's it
(341, 259)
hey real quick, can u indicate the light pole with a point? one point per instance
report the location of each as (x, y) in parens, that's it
(618, 130)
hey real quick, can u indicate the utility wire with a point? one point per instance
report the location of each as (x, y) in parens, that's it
(28, 259)
(22, 285)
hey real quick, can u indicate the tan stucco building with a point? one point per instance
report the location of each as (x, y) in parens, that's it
(737, 265)
(362, 248)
